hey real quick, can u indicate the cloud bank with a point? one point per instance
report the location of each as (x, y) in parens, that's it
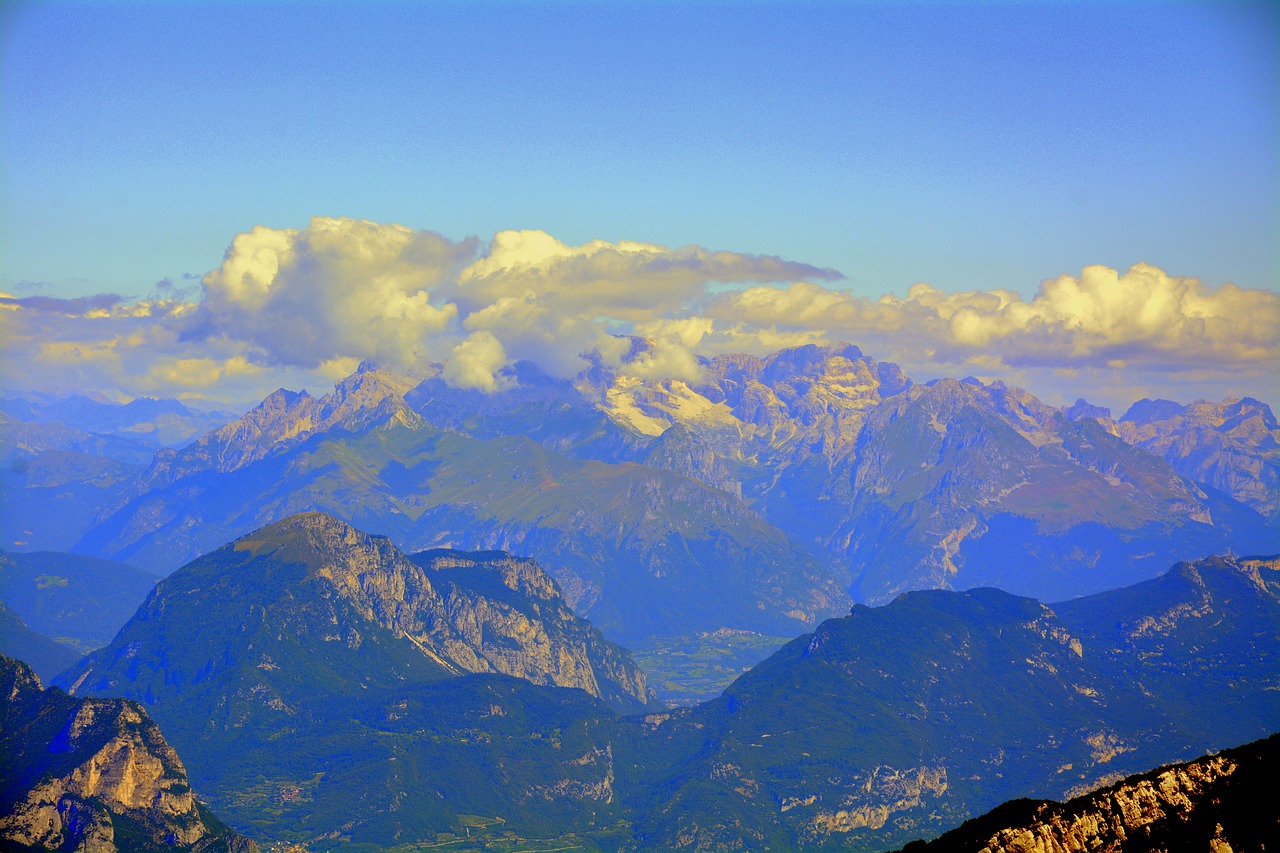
(299, 307)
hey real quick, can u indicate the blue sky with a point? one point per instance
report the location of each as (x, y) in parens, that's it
(983, 149)
(969, 146)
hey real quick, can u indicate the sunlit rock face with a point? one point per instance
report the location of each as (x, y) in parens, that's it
(93, 775)
(323, 584)
(1217, 803)
(1233, 446)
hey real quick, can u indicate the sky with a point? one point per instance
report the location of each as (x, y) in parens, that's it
(213, 200)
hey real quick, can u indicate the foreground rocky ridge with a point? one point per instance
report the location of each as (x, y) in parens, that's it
(94, 776)
(1218, 803)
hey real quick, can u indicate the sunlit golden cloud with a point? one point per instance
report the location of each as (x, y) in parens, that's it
(305, 306)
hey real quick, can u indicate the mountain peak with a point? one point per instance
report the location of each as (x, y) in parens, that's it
(313, 584)
(317, 540)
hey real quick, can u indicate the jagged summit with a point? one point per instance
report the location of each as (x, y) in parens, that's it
(367, 398)
(1233, 446)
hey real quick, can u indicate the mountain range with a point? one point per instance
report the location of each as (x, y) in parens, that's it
(787, 484)
(321, 693)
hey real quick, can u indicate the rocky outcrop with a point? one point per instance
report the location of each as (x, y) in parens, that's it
(93, 776)
(1233, 446)
(486, 612)
(1217, 803)
(508, 616)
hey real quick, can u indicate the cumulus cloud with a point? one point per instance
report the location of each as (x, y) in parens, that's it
(475, 362)
(337, 288)
(301, 307)
(1142, 317)
(550, 303)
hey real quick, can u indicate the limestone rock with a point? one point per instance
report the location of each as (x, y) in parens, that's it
(93, 776)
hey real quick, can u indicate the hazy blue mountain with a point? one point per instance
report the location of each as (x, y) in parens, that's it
(639, 550)
(81, 601)
(905, 486)
(760, 497)
(145, 420)
(923, 486)
(55, 481)
(553, 412)
(1218, 802)
(46, 656)
(963, 484)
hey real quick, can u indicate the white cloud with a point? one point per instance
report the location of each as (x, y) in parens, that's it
(299, 307)
(1143, 317)
(474, 362)
(550, 303)
(337, 288)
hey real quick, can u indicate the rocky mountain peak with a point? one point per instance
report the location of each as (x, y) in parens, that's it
(75, 773)
(1233, 446)
(1147, 410)
(313, 579)
(1082, 408)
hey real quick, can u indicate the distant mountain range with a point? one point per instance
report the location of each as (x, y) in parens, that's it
(1233, 446)
(639, 550)
(766, 496)
(316, 682)
(145, 420)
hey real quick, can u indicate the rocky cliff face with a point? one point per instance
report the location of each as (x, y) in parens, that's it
(487, 612)
(1233, 446)
(509, 616)
(1216, 803)
(324, 582)
(93, 775)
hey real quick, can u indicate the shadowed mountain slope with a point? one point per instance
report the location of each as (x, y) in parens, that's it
(81, 601)
(47, 657)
